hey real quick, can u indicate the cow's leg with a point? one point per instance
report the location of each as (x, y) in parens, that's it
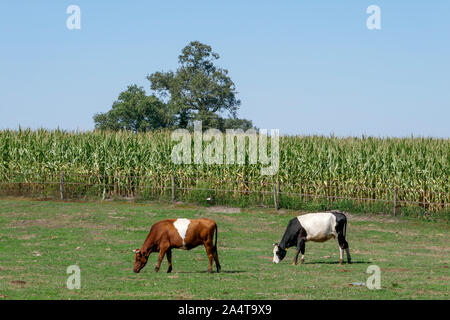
(341, 255)
(216, 259)
(300, 248)
(209, 251)
(294, 262)
(169, 260)
(343, 245)
(347, 250)
(162, 252)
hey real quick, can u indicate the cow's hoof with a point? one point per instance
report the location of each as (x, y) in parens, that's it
(209, 270)
(340, 262)
(218, 270)
(294, 264)
(156, 269)
(169, 270)
(349, 261)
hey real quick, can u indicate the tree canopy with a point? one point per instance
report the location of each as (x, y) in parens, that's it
(197, 90)
(135, 111)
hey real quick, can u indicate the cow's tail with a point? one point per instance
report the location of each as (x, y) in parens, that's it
(215, 240)
(345, 227)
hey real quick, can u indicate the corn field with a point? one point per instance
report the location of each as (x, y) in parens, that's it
(414, 171)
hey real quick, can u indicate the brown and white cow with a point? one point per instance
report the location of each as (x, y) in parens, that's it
(178, 233)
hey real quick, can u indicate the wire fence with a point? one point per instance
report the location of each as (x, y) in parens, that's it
(275, 192)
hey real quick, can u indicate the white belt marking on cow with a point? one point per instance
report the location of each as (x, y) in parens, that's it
(319, 226)
(182, 225)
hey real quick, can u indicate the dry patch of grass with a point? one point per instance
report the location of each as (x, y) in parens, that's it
(222, 209)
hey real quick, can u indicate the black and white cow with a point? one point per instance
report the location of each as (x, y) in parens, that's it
(318, 227)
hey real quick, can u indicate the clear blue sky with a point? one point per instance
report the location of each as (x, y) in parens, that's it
(304, 67)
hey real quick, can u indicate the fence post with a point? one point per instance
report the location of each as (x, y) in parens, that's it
(173, 188)
(278, 193)
(275, 197)
(262, 191)
(61, 185)
(395, 200)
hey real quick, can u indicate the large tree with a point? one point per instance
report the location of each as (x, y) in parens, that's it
(198, 90)
(135, 111)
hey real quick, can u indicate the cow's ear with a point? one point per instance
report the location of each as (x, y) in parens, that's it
(136, 250)
(275, 244)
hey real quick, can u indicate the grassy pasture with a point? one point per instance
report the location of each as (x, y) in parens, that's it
(40, 239)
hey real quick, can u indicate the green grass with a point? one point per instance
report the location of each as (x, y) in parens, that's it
(40, 239)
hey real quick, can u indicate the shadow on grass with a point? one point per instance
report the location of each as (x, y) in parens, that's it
(222, 271)
(337, 262)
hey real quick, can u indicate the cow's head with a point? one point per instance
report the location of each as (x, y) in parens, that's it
(278, 253)
(139, 260)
